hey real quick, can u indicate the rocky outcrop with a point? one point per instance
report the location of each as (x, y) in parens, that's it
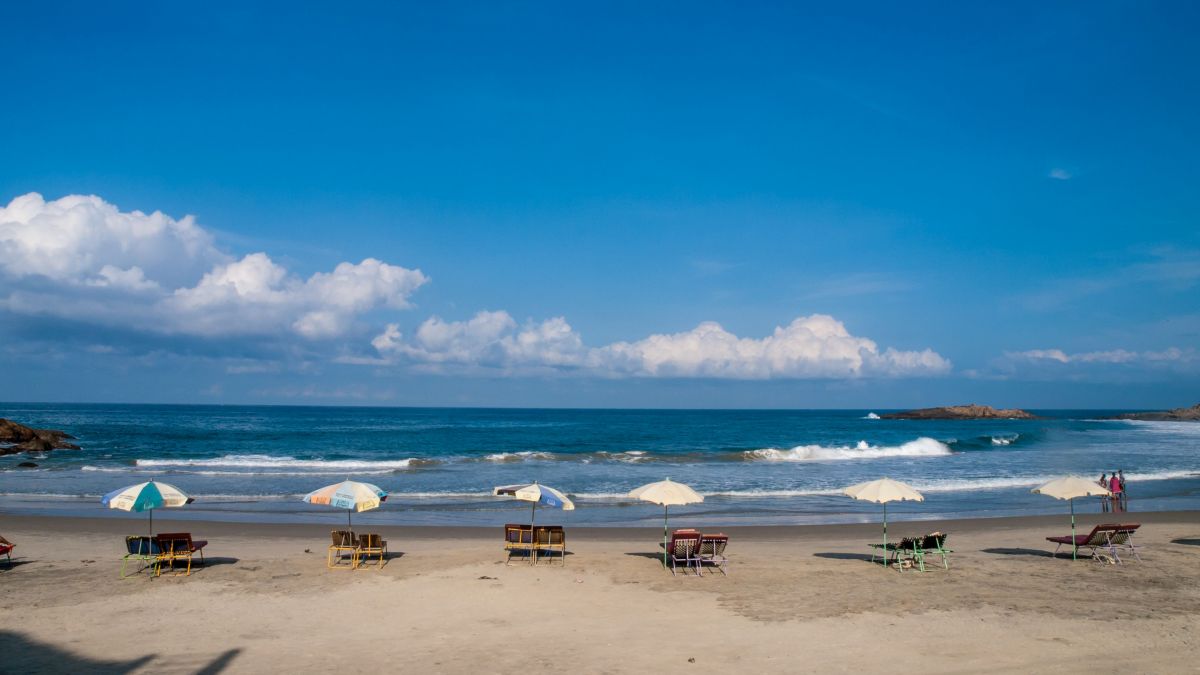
(1191, 414)
(16, 438)
(961, 412)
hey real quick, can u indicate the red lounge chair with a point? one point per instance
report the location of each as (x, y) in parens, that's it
(712, 551)
(179, 546)
(1109, 537)
(682, 548)
(6, 551)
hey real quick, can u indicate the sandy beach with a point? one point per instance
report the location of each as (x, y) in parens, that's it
(797, 599)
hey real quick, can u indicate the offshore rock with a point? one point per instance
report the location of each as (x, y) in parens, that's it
(970, 411)
(1191, 414)
(16, 438)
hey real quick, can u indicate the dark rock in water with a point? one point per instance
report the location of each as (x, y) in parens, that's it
(27, 465)
(16, 438)
(1191, 414)
(961, 412)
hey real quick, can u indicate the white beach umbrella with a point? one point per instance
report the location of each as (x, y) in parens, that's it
(538, 494)
(668, 493)
(146, 497)
(883, 491)
(350, 495)
(1068, 488)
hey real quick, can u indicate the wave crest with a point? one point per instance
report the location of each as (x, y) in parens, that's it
(276, 463)
(921, 447)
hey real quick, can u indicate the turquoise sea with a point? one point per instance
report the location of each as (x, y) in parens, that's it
(439, 464)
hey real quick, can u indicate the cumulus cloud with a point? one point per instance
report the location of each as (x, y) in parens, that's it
(816, 346)
(83, 259)
(1060, 174)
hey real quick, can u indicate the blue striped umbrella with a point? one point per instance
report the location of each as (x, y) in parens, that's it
(146, 497)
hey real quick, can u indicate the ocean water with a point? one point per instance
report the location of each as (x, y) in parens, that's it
(252, 463)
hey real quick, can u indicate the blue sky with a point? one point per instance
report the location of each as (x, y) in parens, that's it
(933, 204)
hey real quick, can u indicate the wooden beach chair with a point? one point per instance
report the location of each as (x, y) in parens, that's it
(712, 552)
(141, 549)
(343, 542)
(370, 545)
(517, 538)
(178, 546)
(550, 539)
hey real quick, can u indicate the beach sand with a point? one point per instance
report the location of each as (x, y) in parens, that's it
(797, 599)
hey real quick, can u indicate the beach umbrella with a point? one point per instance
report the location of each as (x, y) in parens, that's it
(537, 494)
(668, 493)
(1069, 488)
(146, 497)
(350, 495)
(883, 491)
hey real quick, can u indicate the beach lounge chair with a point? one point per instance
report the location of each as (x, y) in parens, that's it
(897, 552)
(682, 548)
(1109, 537)
(142, 549)
(370, 545)
(712, 551)
(517, 538)
(343, 542)
(6, 551)
(933, 544)
(178, 546)
(550, 539)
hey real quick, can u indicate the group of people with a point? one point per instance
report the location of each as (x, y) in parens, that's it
(1116, 486)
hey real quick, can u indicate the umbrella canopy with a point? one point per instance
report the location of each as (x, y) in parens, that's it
(667, 493)
(1068, 488)
(537, 494)
(146, 497)
(350, 495)
(883, 491)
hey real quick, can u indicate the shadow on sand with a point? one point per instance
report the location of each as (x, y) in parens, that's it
(1191, 541)
(864, 557)
(1035, 552)
(24, 655)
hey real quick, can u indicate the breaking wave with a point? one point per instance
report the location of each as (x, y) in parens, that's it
(922, 447)
(275, 464)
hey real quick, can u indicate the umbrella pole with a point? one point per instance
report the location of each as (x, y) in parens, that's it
(885, 535)
(1074, 544)
(664, 536)
(151, 512)
(348, 525)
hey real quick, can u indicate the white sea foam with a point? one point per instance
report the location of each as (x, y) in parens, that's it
(871, 416)
(1005, 440)
(517, 456)
(921, 447)
(277, 464)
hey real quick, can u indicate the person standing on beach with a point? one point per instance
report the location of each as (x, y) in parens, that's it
(1114, 486)
(1104, 481)
(1124, 492)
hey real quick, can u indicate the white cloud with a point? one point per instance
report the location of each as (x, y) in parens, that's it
(1112, 356)
(1058, 173)
(816, 346)
(81, 258)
